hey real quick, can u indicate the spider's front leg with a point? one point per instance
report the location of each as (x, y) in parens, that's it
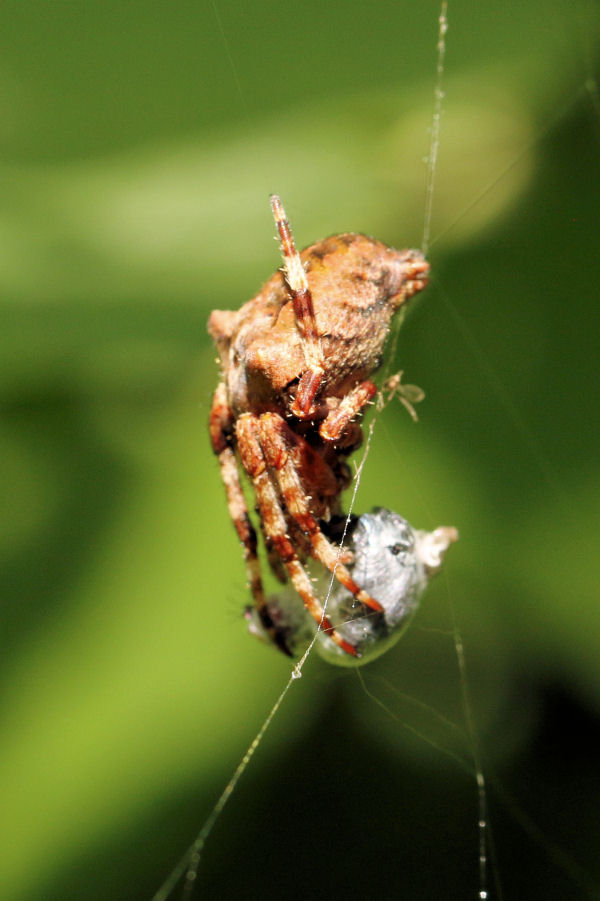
(222, 436)
(286, 453)
(248, 431)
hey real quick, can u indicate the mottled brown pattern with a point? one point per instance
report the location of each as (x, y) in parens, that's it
(296, 361)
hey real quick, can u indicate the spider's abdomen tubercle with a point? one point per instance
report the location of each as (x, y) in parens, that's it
(357, 284)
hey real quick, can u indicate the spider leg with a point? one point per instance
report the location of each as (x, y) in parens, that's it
(275, 564)
(295, 276)
(222, 434)
(283, 450)
(275, 526)
(337, 421)
(299, 539)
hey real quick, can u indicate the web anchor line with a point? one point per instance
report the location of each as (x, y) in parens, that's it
(435, 127)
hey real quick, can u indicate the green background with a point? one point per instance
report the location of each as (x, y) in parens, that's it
(139, 144)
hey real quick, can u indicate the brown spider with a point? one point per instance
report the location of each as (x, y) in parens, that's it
(295, 364)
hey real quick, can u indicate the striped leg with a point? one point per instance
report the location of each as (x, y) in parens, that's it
(283, 450)
(275, 526)
(295, 276)
(298, 538)
(222, 436)
(336, 423)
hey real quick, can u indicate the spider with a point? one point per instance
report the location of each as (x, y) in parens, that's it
(295, 364)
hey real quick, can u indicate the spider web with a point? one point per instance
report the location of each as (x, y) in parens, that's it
(132, 687)
(469, 758)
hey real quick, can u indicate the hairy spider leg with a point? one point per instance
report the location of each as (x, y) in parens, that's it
(222, 436)
(273, 558)
(295, 276)
(255, 464)
(298, 538)
(278, 442)
(337, 421)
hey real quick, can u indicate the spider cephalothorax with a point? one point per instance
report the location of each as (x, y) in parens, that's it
(295, 365)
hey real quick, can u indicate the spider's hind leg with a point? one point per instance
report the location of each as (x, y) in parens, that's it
(295, 276)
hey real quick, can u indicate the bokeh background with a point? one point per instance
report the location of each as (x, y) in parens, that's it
(140, 141)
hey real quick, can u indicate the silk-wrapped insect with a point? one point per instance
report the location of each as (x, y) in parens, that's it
(392, 560)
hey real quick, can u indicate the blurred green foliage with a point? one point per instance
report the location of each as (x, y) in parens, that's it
(140, 142)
